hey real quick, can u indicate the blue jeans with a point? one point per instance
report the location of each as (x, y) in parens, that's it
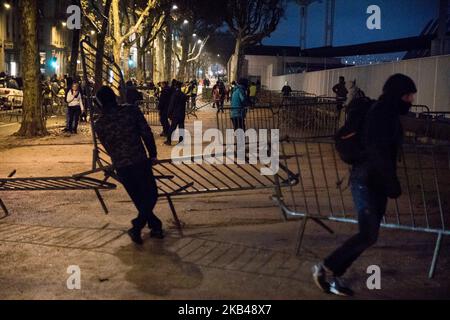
(370, 202)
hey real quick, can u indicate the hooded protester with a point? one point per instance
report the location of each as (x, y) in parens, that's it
(133, 95)
(163, 108)
(238, 105)
(126, 136)
(373, 180)
(177, 112)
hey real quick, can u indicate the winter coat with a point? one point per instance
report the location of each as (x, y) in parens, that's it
(238, 105)
(177, 106)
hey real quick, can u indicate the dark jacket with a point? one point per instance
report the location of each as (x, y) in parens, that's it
(164, 100)
(383, 138)
(340, 90)
(125, 135)
(383, 134)
(177, 106)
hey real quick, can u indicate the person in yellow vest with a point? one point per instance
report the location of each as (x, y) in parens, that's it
(193, 92)
(253, 89)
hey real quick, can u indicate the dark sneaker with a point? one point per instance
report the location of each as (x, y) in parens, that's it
(135, 236)
(338, 287)
(157, 234)
(320, 278)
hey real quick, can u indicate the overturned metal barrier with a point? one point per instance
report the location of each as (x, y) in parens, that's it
(323, 192)
(74, 183)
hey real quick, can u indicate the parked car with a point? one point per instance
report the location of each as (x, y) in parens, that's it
(11, 96)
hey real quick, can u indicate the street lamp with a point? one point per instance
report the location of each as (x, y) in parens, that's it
(7, 6)
(194, 35)
(185, 21)
(64, 24)
(199, 41)
(174, 7)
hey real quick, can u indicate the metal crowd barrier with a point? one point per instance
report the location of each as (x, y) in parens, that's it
(323, 192)
(79, 182)
(300, 120)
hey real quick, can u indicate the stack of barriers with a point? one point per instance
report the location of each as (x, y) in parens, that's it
(322, 193)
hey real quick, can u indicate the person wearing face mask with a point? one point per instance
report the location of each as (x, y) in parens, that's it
(373, 181)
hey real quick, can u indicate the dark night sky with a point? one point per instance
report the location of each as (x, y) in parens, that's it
(399, 19)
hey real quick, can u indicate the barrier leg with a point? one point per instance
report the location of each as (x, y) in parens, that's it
(175, 216)
(301, 234)
(102, 202)
(437, 249)
(323, 225)
(5, 210)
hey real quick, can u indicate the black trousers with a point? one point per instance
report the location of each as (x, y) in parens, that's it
(164, 120)
(73, 117)
(176, 123)
(140, 184)
(370, 202)
(238, 123)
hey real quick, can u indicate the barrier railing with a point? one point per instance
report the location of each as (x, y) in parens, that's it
(302, 120)
(323, 192)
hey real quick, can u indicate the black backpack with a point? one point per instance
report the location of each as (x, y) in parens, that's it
(349, 139)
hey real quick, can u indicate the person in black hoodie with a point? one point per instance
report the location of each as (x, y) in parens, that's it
(373, 180)
(177, 112)
(163, 108)
(126, 136)
(133, 95)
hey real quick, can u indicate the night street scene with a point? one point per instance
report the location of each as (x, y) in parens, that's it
(227, 151)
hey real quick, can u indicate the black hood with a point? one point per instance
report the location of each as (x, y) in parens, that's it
(398, 85)
(395, 88)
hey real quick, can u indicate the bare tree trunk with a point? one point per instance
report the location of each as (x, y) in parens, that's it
(168, 52)
(126, 58)
(101, 48)
(117, 45)
(33, 123)
(159, 59)
(140, 67)
(76, 35)
(184, 57)
(74, 53)
(236, 61)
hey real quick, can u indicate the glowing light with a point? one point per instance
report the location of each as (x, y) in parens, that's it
(185, 21)
(174, 7)
(7, 5)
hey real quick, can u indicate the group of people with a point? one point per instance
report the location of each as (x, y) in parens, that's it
(66, 91)
(129, 140)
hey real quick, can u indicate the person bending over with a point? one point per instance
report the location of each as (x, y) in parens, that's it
(128, 139)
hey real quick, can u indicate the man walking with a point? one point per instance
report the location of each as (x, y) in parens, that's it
(373, 180)
(177, 113)
(126, 136)
(163, 108)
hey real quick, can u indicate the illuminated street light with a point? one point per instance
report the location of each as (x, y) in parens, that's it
(7, 5)
(185, 21)
(199, 41)
(92, 32)
(64, 24)
(194, 35)
(174, 7)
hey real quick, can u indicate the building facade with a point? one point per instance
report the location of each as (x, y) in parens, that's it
(53, 37)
